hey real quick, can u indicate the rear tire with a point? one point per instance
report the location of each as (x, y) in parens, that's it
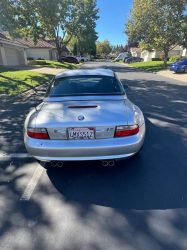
(185, 70)
(82, 60)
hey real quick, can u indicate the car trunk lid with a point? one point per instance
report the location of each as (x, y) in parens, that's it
(103, 116)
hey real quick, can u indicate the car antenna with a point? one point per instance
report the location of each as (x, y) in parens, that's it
(34, 95)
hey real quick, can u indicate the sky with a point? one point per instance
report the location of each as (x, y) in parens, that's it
(111, 23)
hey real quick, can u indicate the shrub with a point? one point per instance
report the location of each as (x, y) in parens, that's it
(30, 58)
(32, 62)
(175, 58)
(41, 62)
(40, 58)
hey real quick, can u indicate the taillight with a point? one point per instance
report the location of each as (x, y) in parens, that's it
(38, 133)
(122, 131)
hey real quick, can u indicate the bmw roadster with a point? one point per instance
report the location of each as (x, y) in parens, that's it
(85, 115)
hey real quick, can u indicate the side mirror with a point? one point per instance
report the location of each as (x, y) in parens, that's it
(125, 86)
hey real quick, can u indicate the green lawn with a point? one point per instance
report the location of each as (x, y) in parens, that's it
(14, 81)
(57, 65)
(151, 66)
(121, 62)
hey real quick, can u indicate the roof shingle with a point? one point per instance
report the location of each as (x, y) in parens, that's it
(3, 37)
(41, 43)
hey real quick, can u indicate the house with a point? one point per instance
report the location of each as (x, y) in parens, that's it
(155, 54)
(12, 52)
(135, 52)
(66, 51)
(184, 52)
(44, 49)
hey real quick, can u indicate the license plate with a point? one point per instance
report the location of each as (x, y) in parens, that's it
(81, 133)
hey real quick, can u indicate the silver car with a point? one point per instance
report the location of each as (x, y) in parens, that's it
(85, 115)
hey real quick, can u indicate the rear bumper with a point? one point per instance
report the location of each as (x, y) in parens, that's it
(78, 150)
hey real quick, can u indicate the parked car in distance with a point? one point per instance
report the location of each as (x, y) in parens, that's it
(134, 59)
(85, 115)
(125, 59)
(70, 59)
(82, 59)
(179, 66)
(120, 57)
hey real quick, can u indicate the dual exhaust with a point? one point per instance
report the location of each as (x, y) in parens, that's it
(60, 164)
(108, 163)
(55, 164)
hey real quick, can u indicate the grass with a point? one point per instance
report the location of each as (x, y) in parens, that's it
(57, 65)
(14, 81)
(121, 62)
(151, 66)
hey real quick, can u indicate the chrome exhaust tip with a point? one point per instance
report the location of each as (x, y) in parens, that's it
(53, 164)
(111, 163)
(105, 163)
(60, 164)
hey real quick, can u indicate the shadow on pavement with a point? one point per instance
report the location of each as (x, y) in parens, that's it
(150, 180)
(12, 122)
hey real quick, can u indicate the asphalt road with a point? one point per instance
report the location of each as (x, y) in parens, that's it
(140, 204)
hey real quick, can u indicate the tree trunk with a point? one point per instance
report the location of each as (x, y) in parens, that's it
(166, 57)
(59, 50)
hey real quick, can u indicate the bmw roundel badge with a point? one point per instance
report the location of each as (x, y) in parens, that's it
(81, 117)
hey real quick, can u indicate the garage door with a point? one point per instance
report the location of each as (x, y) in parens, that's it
(11, 56)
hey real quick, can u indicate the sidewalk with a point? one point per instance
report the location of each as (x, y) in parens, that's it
(45, 70)
(180, 76)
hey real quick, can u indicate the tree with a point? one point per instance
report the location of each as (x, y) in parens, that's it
(129, 45)
(54, 19)
(160, 25)
(103, 48)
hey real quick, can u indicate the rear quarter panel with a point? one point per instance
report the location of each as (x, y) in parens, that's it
(134, 114)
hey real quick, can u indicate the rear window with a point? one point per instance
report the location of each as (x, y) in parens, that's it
(84, 85)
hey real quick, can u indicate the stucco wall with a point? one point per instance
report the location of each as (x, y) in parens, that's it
(171, 53)
(36, 53)
(54, 55)
(184, 52)
(43, 53)
(174, 53)
(1, 59)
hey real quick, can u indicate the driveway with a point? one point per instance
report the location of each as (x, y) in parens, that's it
(176, 76)
(140, 204)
